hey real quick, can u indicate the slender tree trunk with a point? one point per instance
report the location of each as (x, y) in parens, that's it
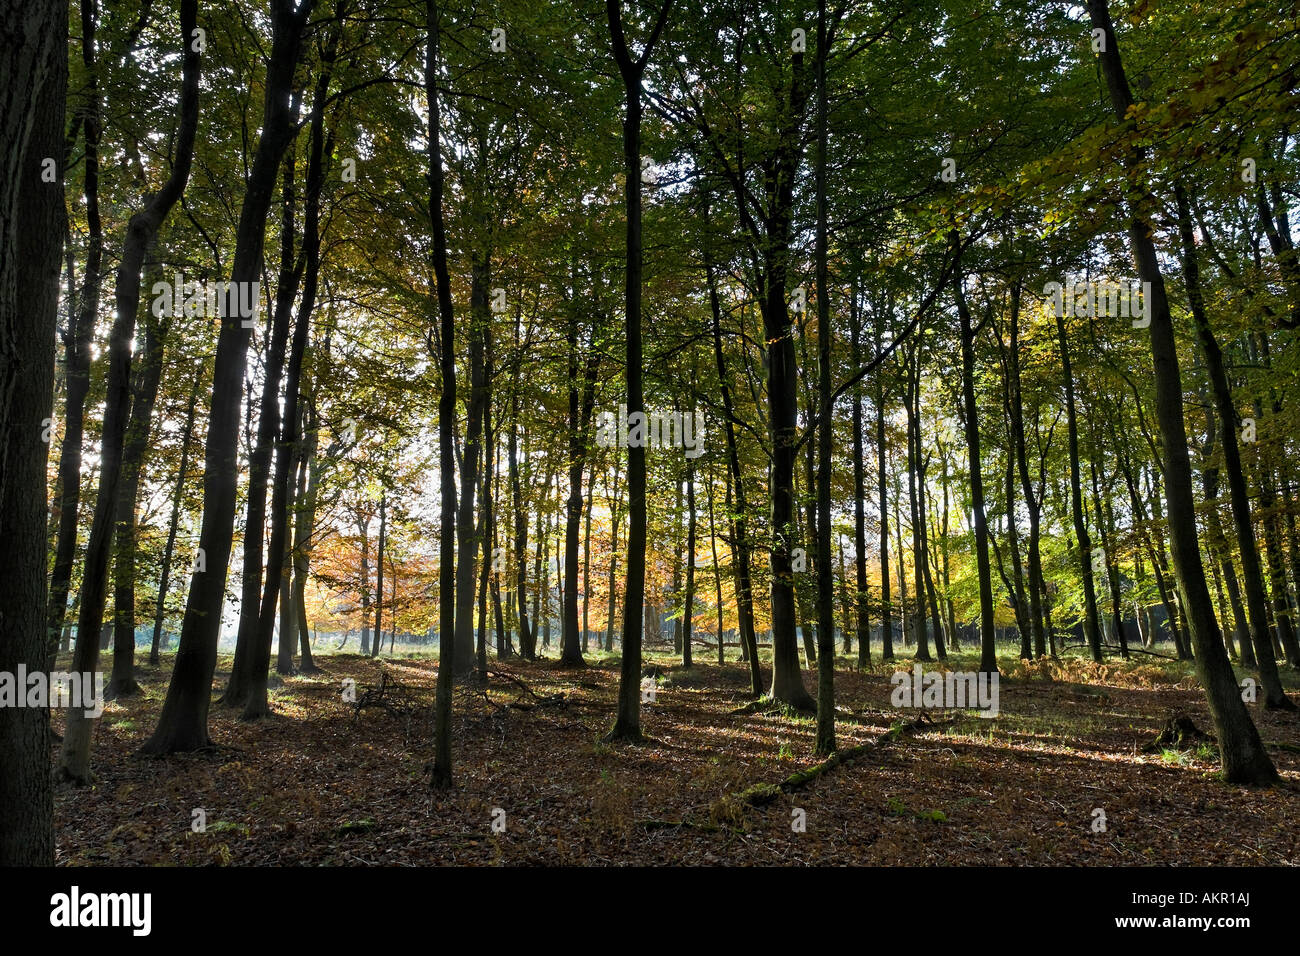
(304, 529)
(363, 528)
(143, 227)
(240, 685)
(882, 487)
(77, 344)
(627, 725)
(122, 683)
(468, 545)
(1032, 498)
(1111, 560)
(741, 569)
(527, 638)
(160, 609)
(717, 570)
(825, 580)
(277, 569)
(988, 637)
(586, 567)
(1091, 631)
(582, 397)
(911, 403)
(613, 559)
(379, 576)
(441, 777)
(860, 595)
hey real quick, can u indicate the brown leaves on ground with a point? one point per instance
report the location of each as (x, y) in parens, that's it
(321, 783)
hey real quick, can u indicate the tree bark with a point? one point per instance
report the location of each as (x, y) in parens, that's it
(825, 581)
(143, 227)
(77, 344)
(988, 636)
(441, 777)
(33, 60)
(122, 683)
(160, 609)
(627, 724)
(1243, 756)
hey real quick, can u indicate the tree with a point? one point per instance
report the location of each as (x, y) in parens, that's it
(627, 725)
(32, 58)
(1243, 756)
(183, 724)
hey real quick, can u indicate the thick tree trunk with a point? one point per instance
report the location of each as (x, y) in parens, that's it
(33, 61)
(1243, 756)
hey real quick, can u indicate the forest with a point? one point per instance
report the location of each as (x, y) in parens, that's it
(685, 431)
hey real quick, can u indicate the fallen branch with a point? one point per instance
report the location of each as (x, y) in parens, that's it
(764, 793)
(1131, 650)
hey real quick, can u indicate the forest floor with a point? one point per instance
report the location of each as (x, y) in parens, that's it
(321, 783)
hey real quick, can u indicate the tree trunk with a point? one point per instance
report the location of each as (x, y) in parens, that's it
(627, 725)
(441, 777)
(688, 609)
(379, 576)
(988, 637)
(1243, 755)
(77, 345)
(240, 685)
(122, 683)
(613, 559)
(160, 609)
(582, 397)
(882, 482)
(143, 227)
(860, 597)
(741, 569)
(33, 60)
(1091, 632)
(825, 744)
(468, 545)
